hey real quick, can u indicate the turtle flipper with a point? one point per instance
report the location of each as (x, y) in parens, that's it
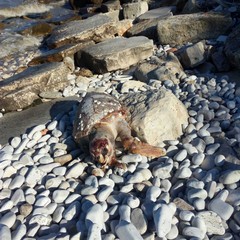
(145, 149)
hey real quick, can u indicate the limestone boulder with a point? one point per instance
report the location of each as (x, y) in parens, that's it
(96, 28)
(180, 29)
(58, 54)
(114, 54)
(232, 49)
(156, 116)
(21, 90)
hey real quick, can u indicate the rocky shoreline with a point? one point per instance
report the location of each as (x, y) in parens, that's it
(168, 62)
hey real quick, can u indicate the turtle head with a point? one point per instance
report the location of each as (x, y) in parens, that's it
(102, 151)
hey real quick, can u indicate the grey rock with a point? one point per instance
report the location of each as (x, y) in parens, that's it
(22, 89)
(118, 53)
(192, 27)
(134, 9)
(93, 28)
(5, 232)
(160, 109)
(193, 55)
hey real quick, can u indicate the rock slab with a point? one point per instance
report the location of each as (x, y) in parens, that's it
(156, 116)
(180, 29)
(118, 53)
(21, 90)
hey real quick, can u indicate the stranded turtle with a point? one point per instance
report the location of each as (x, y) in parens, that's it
(100, 119)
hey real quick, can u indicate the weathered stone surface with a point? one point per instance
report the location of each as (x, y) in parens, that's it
(58, 54)
(158, 13)
(134, 9)
(22, 89)
(232, 49)
(193, 55)
(191, 7)
(95, 28)
(156, 116)
(38, 29)
(118, 53)
(147, 23)
(33, 116)
(111, 5)
(192, 27)
(166, 68)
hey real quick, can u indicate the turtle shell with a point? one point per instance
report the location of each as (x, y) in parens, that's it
(91, 110)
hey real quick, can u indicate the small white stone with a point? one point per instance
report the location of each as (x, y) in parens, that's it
(140, 176)
(94, 232)
(33, 176)
(181, 155)
(72, 211)
(183, 173)
(95, 210)
(15, 142)
(230, 177)
(17, 182)
(186, 215)
(162, 215)
(198, 158)
(104, 193)
(59, 196)
(193, 232)
(75, 171)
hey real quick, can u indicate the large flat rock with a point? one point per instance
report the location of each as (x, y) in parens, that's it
(16, 123)
(21, 90)
(95, 28)
(118, 53)
(185, 28)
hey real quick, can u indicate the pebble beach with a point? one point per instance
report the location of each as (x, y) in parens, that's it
(192, 192)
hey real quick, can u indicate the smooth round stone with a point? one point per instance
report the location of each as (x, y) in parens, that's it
(52, 125)
(223, 209)
(127, 188)
(72, 211)
(196, 193)
(181, 155)
(20, 232)
(40, 219)
(18, 196)
(199, 204)
(9, 171)
(88, 190)
(133, 202)
(106, 181)
(140, 176)
(198, 158)
(104, 193)
(8, 219)
(5, 233)
(162, 215)
(30, 198)
(139, 220)
(153, 193)
(26, 160)
(203, 133)
(131, 158)
(186, 215)
(42, 201)
(45, 160)
(25, 209)
(212, 148)
(53, 182)
(199, 144)
(36, 129)
(59, 196)
(17, 182)
(58, 214)
(193, 232)
(75, 171)
(183, 173)
(92, 212)
(165, 185)
(15, 142)
(230, 177)
(173, 234)
(72, 198)
(60, 171)
(91, 181)
(190, 148)
(162, 170)
(6, 206)
(98, 172)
